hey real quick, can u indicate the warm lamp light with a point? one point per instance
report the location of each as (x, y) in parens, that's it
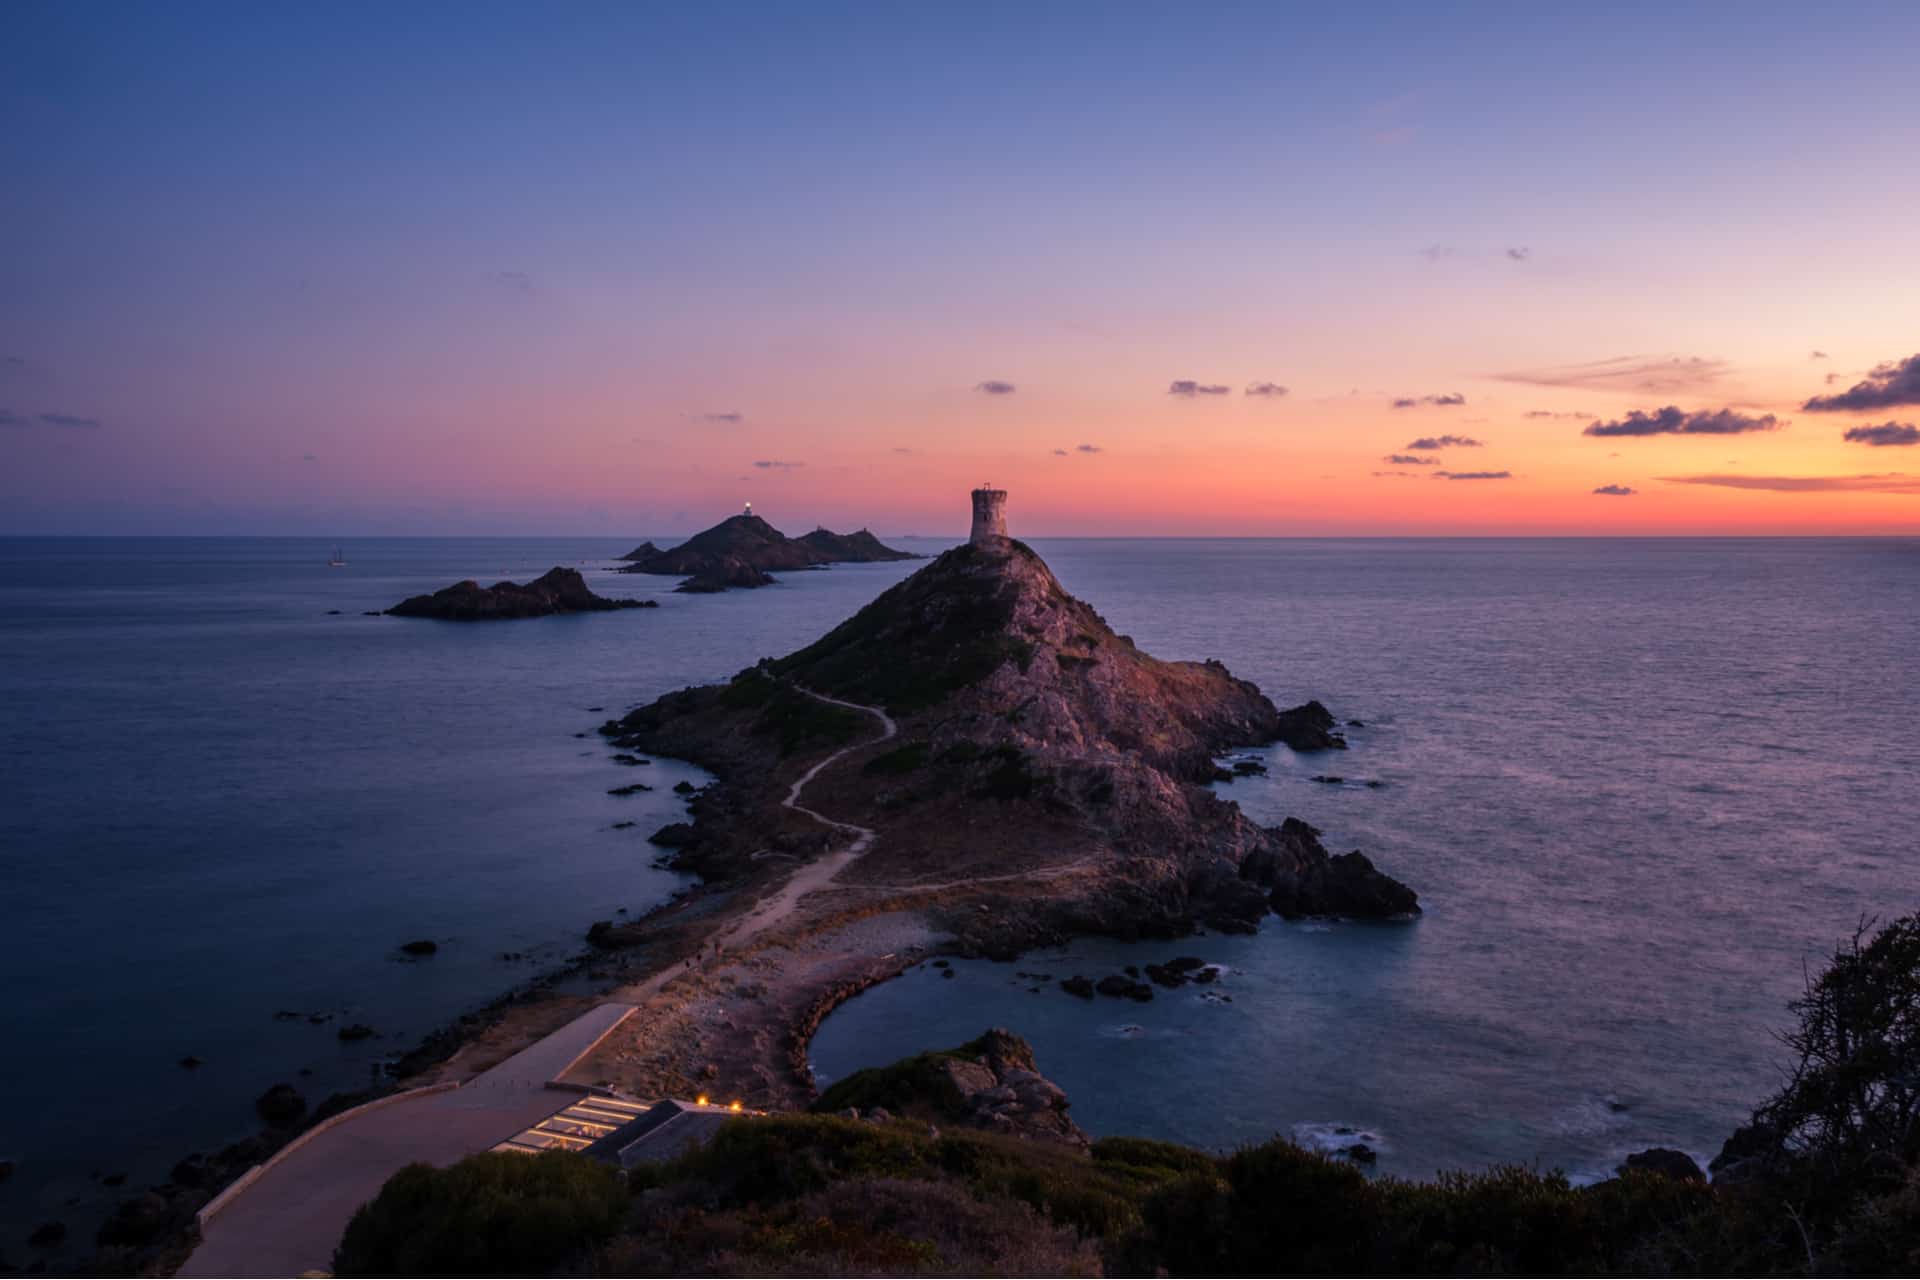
(734, 1105)
(700, 1101)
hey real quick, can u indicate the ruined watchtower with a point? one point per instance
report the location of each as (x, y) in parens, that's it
(989, 517)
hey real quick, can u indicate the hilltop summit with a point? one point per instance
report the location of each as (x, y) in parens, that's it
(1031, 737)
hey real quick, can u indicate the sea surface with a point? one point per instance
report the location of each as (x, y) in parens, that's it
(1638, 784)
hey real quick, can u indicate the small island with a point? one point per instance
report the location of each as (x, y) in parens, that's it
(558, 590)
(741, 550)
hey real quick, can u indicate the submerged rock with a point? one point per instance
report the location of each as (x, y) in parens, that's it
(1078, 986)
(420, 947)
(558, 590)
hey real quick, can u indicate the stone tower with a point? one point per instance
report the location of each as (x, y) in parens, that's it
(989, 517)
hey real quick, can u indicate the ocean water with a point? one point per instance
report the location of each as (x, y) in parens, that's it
(1637, 784)
(218, 801)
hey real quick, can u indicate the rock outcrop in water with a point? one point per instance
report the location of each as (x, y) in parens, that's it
(1346, 885)
(1032, 738)
(730, 573)
(742, 549)
(557, 590)
(990, 1083)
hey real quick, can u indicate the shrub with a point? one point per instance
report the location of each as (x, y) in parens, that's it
(901, 760)
(798, 720)
(1854, 1092)
(1276, 1208)
(496, 1213)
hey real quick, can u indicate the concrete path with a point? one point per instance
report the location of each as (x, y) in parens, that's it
(291, 1217)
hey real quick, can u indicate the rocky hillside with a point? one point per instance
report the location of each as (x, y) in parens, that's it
(991, 1083)
(1031, 736)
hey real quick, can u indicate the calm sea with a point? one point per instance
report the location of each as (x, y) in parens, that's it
(1637, 784)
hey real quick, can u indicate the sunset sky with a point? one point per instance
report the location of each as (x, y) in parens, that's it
(336, 270)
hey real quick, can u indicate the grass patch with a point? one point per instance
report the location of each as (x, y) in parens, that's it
(798, 721)
(901, 760)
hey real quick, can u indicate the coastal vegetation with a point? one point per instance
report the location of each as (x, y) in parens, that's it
(890, 1175)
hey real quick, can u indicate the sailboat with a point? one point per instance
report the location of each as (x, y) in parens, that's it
(337, 560)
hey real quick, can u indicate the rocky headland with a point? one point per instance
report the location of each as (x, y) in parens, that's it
(558, 590)
(742, 550)
(1030, 737)
(974, 763)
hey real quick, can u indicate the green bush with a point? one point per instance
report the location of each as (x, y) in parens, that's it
(901, 760)
(780, 1157)
(1277, 1209)
(798, 720)
(496, 1213)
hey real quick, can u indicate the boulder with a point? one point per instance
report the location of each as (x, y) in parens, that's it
(1078, 986)
(675, 835)
(281, 1107)
(1118, 985)
(1310, 727)
(194, 1171)
(137, 1222)
(1347, 885)
(420, 947)
(1666, 1163)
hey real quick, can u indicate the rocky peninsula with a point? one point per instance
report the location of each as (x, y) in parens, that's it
(557, 590)
(741, 550)
(974, 763)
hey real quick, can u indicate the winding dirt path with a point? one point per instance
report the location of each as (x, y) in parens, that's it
(820, 873)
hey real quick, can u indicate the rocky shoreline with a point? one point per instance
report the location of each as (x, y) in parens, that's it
(1048, 781)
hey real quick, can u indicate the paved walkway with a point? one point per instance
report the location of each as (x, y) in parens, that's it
(293, 1215)
(289, 1220)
